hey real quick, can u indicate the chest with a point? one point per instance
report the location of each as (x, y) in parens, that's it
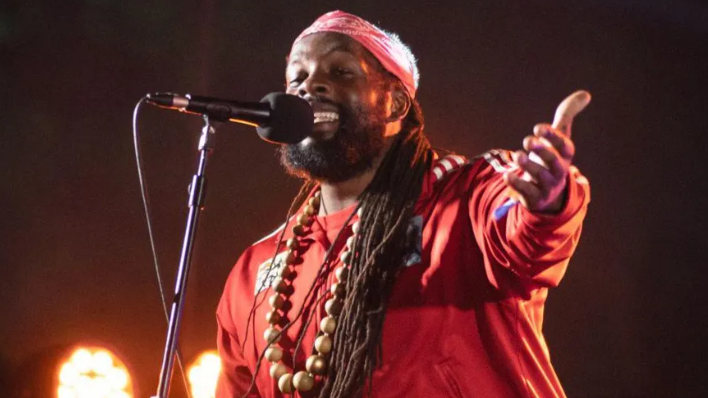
(441, 266)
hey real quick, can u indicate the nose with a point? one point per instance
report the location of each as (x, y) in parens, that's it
(315, 85)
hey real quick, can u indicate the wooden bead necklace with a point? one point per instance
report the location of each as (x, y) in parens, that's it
(316, 364)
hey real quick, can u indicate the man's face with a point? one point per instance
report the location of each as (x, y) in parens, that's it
(347, 90)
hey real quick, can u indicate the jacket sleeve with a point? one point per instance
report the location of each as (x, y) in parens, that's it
(524, 249)
(235, 376)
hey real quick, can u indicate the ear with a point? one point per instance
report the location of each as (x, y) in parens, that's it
(400, 103)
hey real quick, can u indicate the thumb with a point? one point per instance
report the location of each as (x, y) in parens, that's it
(566, 111)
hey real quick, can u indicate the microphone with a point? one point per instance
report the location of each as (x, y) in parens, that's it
(279, 118)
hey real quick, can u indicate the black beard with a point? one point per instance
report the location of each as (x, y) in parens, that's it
(348, 154)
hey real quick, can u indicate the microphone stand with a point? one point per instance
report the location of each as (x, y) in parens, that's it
(196, 204)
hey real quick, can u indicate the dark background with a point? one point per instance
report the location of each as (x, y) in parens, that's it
(629, 319)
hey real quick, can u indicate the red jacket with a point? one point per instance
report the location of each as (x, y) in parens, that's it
(466, 313)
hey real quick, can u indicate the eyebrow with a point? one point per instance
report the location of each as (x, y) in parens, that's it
(332, 49)
(338, 47)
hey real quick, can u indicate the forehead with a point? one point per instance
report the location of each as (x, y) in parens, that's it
(320, 45)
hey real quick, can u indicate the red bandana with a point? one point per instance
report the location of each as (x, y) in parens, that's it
(386, 47)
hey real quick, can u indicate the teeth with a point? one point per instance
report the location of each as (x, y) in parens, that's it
(321, 117)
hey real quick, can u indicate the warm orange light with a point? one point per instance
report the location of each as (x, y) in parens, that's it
(93, 372)
(203, 373)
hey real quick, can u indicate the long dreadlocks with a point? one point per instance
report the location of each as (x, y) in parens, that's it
(388, 203)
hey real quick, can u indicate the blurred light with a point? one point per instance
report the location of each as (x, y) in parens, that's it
(81, 359)
(203, 374)
(93, 372)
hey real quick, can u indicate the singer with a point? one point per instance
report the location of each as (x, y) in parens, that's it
(391, 278)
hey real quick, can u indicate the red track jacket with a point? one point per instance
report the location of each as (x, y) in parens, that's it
(466, 312)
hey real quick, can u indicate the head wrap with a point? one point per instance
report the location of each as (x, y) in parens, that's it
(395, 56)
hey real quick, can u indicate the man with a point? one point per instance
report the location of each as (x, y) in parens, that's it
(394, 278)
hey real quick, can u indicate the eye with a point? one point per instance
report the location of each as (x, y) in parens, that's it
(339, 71)
(295, 81)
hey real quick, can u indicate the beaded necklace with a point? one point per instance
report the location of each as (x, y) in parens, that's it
(316, 364)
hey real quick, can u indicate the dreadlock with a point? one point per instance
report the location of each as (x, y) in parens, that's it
(388, 203)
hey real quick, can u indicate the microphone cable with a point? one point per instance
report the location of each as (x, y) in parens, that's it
(151, 236)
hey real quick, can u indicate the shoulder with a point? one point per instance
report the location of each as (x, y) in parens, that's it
(454, 169)
(247, 269)
(446, 165)
(495, 160)
(241, 285)
(258, 255)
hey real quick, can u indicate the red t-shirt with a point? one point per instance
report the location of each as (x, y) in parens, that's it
(466, 312)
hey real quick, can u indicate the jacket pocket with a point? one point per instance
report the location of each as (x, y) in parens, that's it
(446, 372)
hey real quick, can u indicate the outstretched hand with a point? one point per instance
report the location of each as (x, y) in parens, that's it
(546, 159)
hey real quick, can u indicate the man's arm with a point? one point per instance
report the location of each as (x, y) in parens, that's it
(535, 240)
(235, 376)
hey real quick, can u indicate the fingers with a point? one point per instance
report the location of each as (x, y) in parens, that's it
(555, 163)
(545, 163)
(562, 144)
(529, 194)
(550, 153)
(566, 111)
(539, 174)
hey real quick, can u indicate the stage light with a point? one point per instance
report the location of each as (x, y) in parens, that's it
(203, 374)
(93, 372)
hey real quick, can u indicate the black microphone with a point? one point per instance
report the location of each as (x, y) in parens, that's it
(279, 118)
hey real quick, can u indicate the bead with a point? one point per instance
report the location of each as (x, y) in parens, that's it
(350, 242)
(346, 257)
(360, 212)
(286, 272)
(338, 290)
(303, 381)
(292, 244)
(276, 301)
(355, 227)
(342, 273)
(323, 344)
(279, 285)
(285, 383)
(290, 257)
(328, 325)
(316, 364)
(314, 202)
(272, 335)
(273, 317)
(333, 306)
(274, 354)
(317, 194)
(277, 370)
(303, 219)
(309, 210)
(299, 230)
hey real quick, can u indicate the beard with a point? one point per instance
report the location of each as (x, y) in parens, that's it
(349, 153)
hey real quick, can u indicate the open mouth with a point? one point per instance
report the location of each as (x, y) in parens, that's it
(326, 117)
